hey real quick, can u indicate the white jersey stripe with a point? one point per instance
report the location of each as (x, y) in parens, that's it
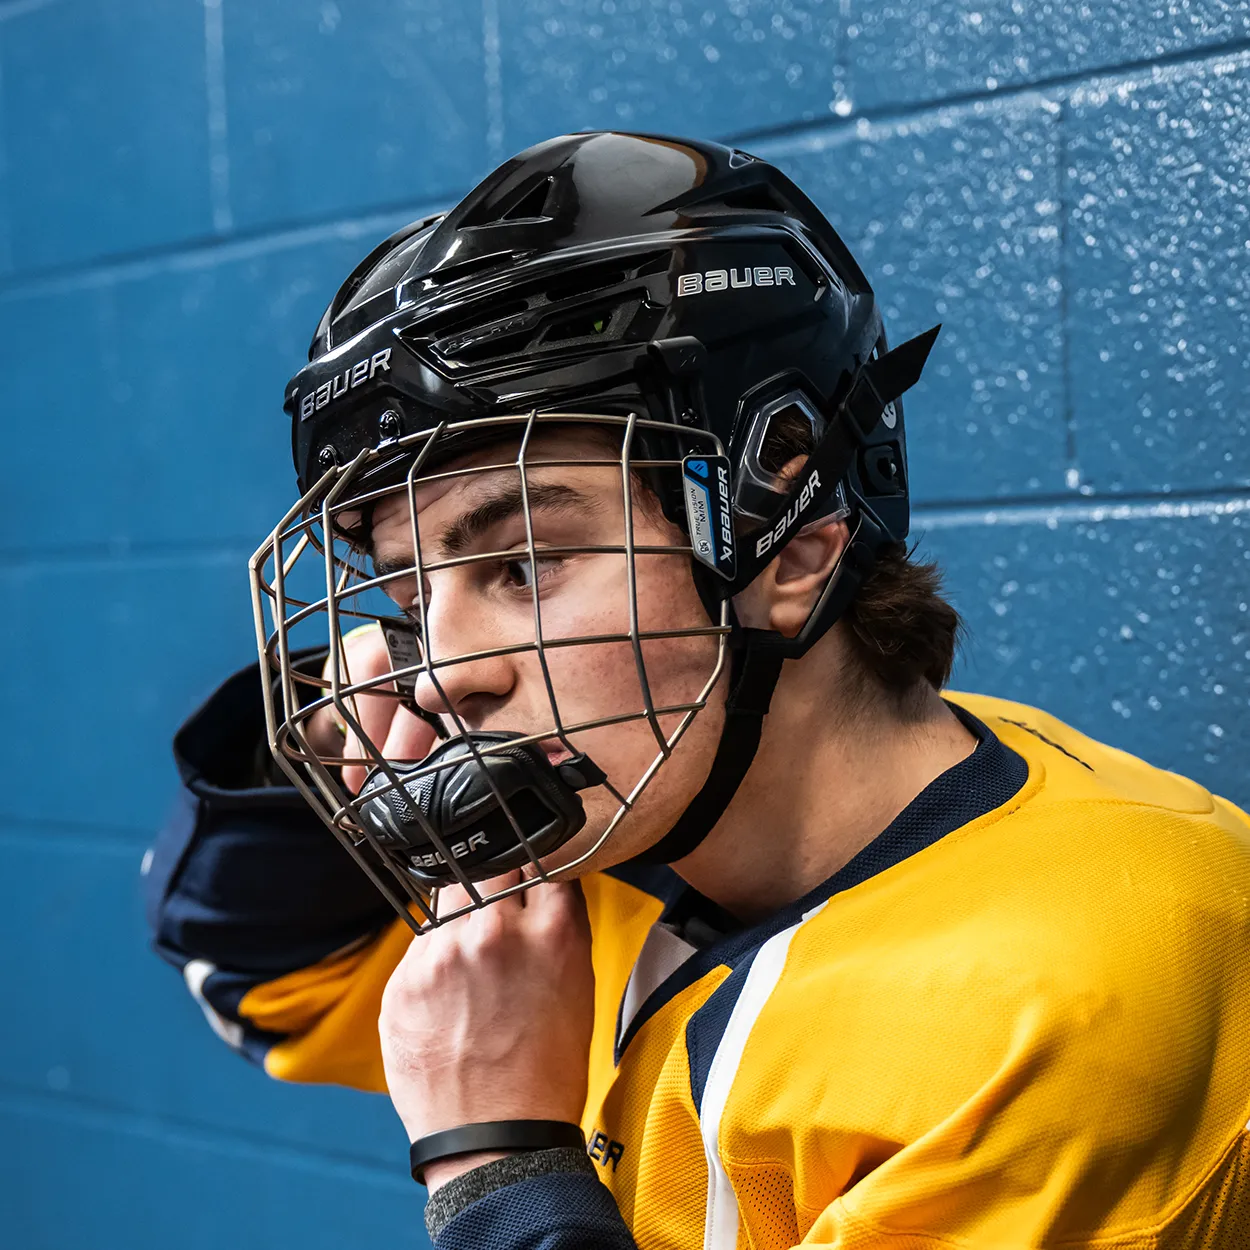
(720, 1229)
(195, 972)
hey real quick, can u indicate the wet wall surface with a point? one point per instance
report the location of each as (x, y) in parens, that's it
(182, 186)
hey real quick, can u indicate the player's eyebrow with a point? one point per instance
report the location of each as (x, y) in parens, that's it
(501, 506)
(505, 504)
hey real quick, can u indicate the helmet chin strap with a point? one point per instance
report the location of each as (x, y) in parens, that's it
(758, 654)
(753, 678)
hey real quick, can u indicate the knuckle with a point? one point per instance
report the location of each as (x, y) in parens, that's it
(443, 955)
(555, 923)
(562, 911)
(490, 929)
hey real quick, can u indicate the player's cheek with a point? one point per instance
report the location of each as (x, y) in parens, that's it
(589, 597)
(590, 601)
(677, 667)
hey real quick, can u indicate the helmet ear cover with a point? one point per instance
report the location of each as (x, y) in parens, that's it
(759, 654)
(846, 441)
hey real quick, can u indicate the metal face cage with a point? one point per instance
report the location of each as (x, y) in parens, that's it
(312, 580)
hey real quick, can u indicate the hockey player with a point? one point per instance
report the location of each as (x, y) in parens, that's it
(734, 930)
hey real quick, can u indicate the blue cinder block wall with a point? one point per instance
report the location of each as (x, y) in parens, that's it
(182, 185)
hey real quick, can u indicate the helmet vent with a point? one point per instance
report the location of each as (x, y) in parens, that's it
(585, 281)
(756, 199)
(656, 262)
(588, 323)
(464, 268)
(754, 196)
(759, 198)
(515, 335)
(532, 205)
(527, 203)
(460, 324)
(375, 276)
(485, 348)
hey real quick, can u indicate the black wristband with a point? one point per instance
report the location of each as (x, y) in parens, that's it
(493, 1135)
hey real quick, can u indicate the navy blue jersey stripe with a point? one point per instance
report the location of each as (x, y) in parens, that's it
(655, 879)
(706, 1027)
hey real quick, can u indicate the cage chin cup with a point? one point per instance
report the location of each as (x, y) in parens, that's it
(475, 804)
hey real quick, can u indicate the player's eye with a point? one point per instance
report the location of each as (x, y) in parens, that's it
(520, 574)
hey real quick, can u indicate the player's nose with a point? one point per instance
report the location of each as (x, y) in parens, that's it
(468, 675)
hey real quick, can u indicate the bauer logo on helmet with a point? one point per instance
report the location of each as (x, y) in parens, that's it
(734, 279)
(778, 532)
(341, 383)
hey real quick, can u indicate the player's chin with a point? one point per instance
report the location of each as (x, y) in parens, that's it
(591, 851)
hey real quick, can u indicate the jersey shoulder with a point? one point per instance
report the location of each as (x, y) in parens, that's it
(1049, 1001)
(1076, 767)
(1101, 854)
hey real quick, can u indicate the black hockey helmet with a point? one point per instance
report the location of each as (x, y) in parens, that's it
(685, 282)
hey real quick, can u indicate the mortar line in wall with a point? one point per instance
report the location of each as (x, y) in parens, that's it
(841, 103)
(1049, 499)
(209, 551)
(215, 98)
(1072, 470)
(179, 1131)
(492, 73)
(91, 842)
(207, 250)
(900, 110)
(19, 8)
(1069, 510)
(6, 232)
(18, 824)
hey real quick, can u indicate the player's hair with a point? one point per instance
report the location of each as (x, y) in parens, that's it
(902, 631)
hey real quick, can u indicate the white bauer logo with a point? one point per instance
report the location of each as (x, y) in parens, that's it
(458, 851)
(727, 279)
(795, 510)
(341, 383)
(726, 514)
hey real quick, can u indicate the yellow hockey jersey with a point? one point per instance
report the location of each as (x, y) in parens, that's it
(1019, 1018)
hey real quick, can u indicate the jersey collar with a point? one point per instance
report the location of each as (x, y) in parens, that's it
(981, 782)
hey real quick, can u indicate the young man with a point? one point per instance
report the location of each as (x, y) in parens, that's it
(619, 437)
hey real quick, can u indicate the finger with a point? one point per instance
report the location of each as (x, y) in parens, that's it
(453, 897)
(365, 656)
(558, 906)
(408, 737)
(405, 739)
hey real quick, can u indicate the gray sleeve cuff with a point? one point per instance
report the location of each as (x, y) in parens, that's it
(468, 1187)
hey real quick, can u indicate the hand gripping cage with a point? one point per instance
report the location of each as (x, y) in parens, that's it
(416, 825)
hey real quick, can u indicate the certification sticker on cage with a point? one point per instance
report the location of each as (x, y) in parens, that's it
(709, 514)
(405, 652)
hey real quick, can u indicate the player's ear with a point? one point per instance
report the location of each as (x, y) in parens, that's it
(782, 597)
(795, 579)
